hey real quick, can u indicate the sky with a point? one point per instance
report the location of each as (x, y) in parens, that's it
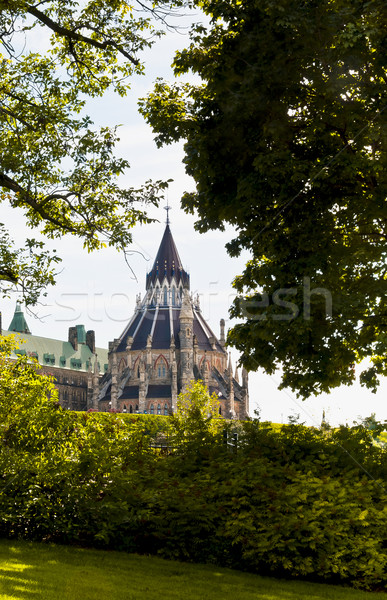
(99, 290)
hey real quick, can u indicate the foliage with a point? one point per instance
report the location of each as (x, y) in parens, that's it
(291, 501)
(286, 141)
(54, 164)
(196, 423)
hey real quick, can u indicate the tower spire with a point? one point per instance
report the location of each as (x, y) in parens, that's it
(167, 208)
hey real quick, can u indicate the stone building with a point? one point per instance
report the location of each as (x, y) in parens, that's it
(166, 344)
(68, 362)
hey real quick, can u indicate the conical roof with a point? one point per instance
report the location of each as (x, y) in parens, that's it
(167, 263)
(18, 323)
(159, 317)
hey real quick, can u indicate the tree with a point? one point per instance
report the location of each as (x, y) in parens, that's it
(29, 404)
(54, 165)
(286, 140)
(197, 423)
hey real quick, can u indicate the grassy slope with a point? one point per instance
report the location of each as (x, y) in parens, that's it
(48, 572)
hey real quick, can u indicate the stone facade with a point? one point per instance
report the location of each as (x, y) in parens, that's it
(68, 362)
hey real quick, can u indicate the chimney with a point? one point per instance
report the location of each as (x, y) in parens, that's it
(73, 337)
(90, 340)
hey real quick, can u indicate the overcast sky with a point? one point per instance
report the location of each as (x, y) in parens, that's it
(99, 290)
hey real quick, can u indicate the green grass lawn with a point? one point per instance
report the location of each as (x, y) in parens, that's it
(29, 570)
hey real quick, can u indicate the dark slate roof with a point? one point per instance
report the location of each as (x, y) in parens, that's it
(162, 321)
(139, 341)
(159, 391)
(167, 263)
(130, 393)
(158, 323)
(162, 331)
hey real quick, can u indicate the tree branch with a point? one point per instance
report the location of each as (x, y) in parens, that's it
(10, 184)
(72, 35)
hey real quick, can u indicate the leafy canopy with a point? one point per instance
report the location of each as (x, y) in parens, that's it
(196, 424)
(54, 165)
(286, 140)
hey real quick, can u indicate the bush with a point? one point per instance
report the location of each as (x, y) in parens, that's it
(289, 500)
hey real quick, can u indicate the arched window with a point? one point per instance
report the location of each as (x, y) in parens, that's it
(165, 295)
(152, 409)
(136, 369)
(130, 408)
(166, 411)
(136, 407)
(161, 369)
(220, 410)
(159, 409)
(173, 296)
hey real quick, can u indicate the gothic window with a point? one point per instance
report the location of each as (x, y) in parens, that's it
(161, 367)
(130, 408)
(159, 409)
(136, 407)
(122, 365)
(165, 295)
(166, 409)
(188, 332)
(136, 369)
(152, 409)
(173, 296)
(220, 410)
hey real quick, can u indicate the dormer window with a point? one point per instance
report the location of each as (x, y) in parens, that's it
(165, 295)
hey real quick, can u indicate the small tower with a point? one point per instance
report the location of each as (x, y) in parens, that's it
(95, 383)
(18, 323)
(222, 339)
(114, 388)
(230, 391)
(186, 340)
(142, 387)
(245, 394)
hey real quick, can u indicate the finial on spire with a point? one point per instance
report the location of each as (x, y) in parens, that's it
(167, 208)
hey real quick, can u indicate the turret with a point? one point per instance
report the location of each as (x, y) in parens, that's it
(186, 339)
(142, 387)
(114, 387)
(230, 391)
(95, 384)
(222, 339)
(245, 393)
(18, 323)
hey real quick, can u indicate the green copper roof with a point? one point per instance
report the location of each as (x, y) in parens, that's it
(55, 353)
(18, 322)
